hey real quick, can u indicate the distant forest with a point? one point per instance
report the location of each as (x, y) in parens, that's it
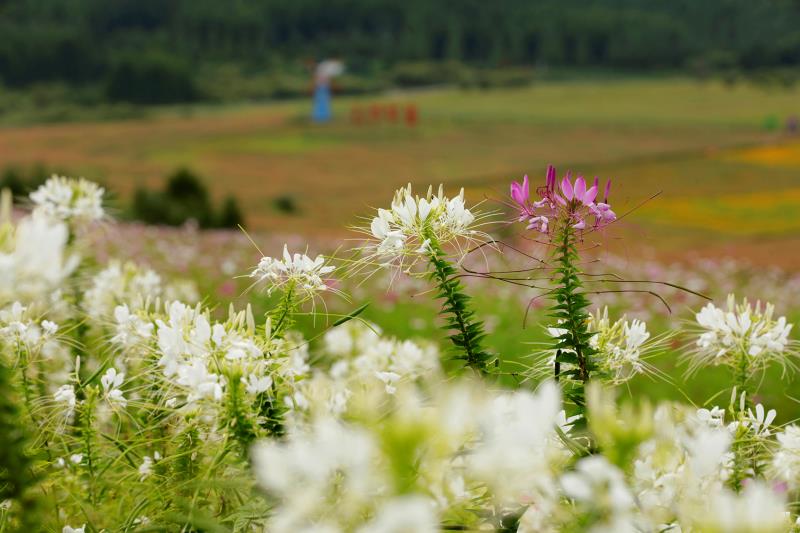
(154, 50)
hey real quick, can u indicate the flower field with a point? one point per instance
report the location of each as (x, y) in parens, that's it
(453, 367)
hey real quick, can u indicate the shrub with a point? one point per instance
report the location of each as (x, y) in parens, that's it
(230, 215)
(285, 204)
(22, 181)
(185, 197)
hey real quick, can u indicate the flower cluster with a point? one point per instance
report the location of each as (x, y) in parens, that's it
(121, 284)
(572, 207)
(621, 347)
(408, 454)
(34, 259)
(742, 335)
(295, 273)
(407, 231)
(69, 200)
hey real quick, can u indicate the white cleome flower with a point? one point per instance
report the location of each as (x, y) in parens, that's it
(256, 384)
(34, 259)
(112, 381)
(786, 460)
(405, 514)
(756, 509)
(295, 272)
(146, 468)
(741, 331)
(130, 328)
(66, 395)
(121, 284)
(68, 199)
(620, 345)
(598, 484)
(406, 232)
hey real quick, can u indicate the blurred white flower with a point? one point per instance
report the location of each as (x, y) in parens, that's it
(146, 468)
(756, 509)
(256, 384)
(596, 481)
(66, 395)
(786, 460)
(112, 381)
(327, 463)
(50, 328)
(130, 328)
(407, 514)
(518, 444)
(120, 284)
(69, 199)
(714, 417)
(34, 260)
(69, 529)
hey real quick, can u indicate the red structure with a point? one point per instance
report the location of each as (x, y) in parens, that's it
(391, 113)
(412, 116)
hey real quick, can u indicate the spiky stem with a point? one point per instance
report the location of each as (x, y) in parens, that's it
(238, 420)
(467, 330)
(742, 375)
(17, 476)
(87, 432)
(268, 404)
(282, 315)
(573, 362)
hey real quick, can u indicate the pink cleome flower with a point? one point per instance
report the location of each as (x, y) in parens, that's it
(572, 205)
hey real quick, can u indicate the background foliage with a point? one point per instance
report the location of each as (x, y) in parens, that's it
(154, 50)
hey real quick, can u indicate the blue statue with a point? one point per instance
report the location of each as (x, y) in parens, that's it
(325, 71)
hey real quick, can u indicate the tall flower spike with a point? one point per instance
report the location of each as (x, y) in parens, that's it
(417, 231)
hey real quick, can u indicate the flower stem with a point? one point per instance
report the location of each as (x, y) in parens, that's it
(467, 330)
(87, 430)
(573, 361)
(742, 375)
(282, 315)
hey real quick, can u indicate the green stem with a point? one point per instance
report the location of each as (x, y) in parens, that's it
(468, 331)
(742, 375)
(238, 421)
(573, 363)
(282, 315)
(87, 432)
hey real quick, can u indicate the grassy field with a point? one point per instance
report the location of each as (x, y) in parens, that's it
(729, 187)
(726, 181)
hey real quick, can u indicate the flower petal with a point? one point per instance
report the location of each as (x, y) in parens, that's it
(566, 188)
(590, 195)
(580, 188)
